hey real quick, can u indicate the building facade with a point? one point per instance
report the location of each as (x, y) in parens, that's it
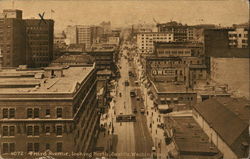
(180, 32)
(84, 35)
(25, 41)
(172, 97)
(238, 38)
(71, 35)
(53, 109)
(39, 42)
(145, 41)
(12, 38)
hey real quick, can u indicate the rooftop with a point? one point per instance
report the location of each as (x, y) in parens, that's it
(37, 81)
(70, 59)
(171, 88)
(190, 139)
(218, 112)
(179, 44)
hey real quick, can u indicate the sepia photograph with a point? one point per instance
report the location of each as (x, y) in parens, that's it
(124, 79)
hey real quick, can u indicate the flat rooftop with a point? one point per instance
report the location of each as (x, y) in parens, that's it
(13, 81)
(190, 139)
(171, 88)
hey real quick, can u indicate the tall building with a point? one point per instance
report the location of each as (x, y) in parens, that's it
(145, 41)
(71, 35)
(96, 34)
(84, 35)
(106, 26)
(180, 32)
(238, 38)
(39, 42)
(52, 109)
(25, 41)
(12, 38)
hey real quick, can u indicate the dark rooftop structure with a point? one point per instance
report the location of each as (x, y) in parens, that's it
(216, 43)
(74, 59)
(190, 140)
(229, 117)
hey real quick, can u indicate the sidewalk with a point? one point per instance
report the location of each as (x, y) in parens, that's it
(154, 118)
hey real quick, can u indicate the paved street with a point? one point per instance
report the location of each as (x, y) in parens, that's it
(133, 137)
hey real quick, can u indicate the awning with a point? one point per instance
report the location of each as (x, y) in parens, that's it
(168, 99)
(162, 99)
(175, 99)
(163, 106)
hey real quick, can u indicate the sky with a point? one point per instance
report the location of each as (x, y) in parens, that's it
(128, 12)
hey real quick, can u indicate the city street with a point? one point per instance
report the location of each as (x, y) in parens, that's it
(133, 137)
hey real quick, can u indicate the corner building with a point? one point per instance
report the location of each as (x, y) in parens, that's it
(52, 109)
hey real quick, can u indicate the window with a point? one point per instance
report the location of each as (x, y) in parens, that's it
(36, 112)
(47, 129)
(11, 113)
(5, 131)
(36, 147)
(29, 113)
(8, 131)
(29, 130)
(36, 130)
(47, 146)
(6, 113)
(30, 147)
(47, 112)
(8, 147)
(12, 147)
(59, 147)
(59, 130)
(58, 112)
(12, 131)
(5, 147)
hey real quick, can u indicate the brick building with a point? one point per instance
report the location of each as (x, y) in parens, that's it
(51, 109)
(12, 38)
(25, 41)
(39, 42)
(180, 32)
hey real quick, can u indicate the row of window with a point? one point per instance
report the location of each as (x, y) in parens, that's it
(31, 147)
(32, 130)
(238, 35)
(31, 112)
(155, 34)
(173, 52)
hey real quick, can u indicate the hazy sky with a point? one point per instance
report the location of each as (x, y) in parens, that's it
(122, 12)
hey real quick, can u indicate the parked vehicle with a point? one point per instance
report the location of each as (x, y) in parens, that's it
(132, 93)
(142, 110)
(126, 118)
(126, 83)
